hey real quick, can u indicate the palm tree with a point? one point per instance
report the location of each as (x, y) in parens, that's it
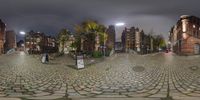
(92, 31)
(63, 37)
(80, 37)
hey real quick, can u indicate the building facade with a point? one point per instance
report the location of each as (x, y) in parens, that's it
(185, 36)
(10, 40)
(133, 39)
(128, 39)
(2, 36)
(37, 42)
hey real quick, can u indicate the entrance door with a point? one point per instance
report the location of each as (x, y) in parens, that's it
(196, 49)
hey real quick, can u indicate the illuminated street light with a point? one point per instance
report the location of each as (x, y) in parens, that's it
(120, 24)
(23, 45)
(22, 32)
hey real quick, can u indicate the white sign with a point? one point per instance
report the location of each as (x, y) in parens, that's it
(80, 62)
(138, 49)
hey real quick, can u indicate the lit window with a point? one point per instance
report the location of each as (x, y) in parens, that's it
(194, 26)
(184, 27)
(38, 39)
(184, 35)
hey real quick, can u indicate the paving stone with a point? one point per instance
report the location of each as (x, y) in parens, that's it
(111, 78)
(42, 94)
(83, 92)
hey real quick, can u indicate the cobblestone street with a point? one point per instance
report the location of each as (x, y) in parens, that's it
(118, 76)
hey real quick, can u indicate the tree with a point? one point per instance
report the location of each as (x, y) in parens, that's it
(92, 32)
(162, 43)
(80, 37)
(159, 42)
(63, 37)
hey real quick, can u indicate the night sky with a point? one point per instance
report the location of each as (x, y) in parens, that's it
(50, 16)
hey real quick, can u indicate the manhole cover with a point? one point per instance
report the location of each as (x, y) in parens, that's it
(193, 68)
(138, 68)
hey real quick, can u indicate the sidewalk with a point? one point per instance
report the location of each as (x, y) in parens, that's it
(116, 99)
(10, 98)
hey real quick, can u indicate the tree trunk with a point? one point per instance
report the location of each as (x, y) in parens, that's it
(81, 44)
(97, 42)
(62, 47)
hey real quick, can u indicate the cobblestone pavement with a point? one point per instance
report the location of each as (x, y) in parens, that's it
(119, 76)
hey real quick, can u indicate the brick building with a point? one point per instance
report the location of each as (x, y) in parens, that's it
(37, 42)
(139, 40)
(133, 39)
(10, 40)
(128, 39)
(185, 36)
(2, 36)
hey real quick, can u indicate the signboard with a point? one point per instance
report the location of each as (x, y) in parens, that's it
(80, 62)
(138, 49)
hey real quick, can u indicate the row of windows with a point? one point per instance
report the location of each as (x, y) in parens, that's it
(194, 26)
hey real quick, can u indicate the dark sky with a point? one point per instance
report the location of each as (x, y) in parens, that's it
(50, 16)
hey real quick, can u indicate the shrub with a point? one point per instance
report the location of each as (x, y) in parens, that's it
(97, 54)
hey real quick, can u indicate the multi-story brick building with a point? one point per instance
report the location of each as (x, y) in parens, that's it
(185, 36)
(37, 42)
(2, 36)
(133, 39)
(10, 40)
(128, 39)
(139, 40)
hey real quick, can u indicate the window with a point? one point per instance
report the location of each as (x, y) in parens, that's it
(194, 26)
(38, 39)
(184, 27)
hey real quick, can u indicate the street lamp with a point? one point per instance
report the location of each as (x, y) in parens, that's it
(120, 24)
(23, 33)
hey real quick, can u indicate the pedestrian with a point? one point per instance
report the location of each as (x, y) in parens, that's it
(47, 58)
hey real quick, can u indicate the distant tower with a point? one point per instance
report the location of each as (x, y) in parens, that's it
(111, 37)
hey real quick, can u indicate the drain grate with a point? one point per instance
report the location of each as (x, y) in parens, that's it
(138, 68)
(194, 68)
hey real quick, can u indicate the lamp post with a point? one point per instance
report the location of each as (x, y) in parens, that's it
(23, 34)
(120, 24)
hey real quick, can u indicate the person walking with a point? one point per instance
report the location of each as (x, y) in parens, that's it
(47, 58)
